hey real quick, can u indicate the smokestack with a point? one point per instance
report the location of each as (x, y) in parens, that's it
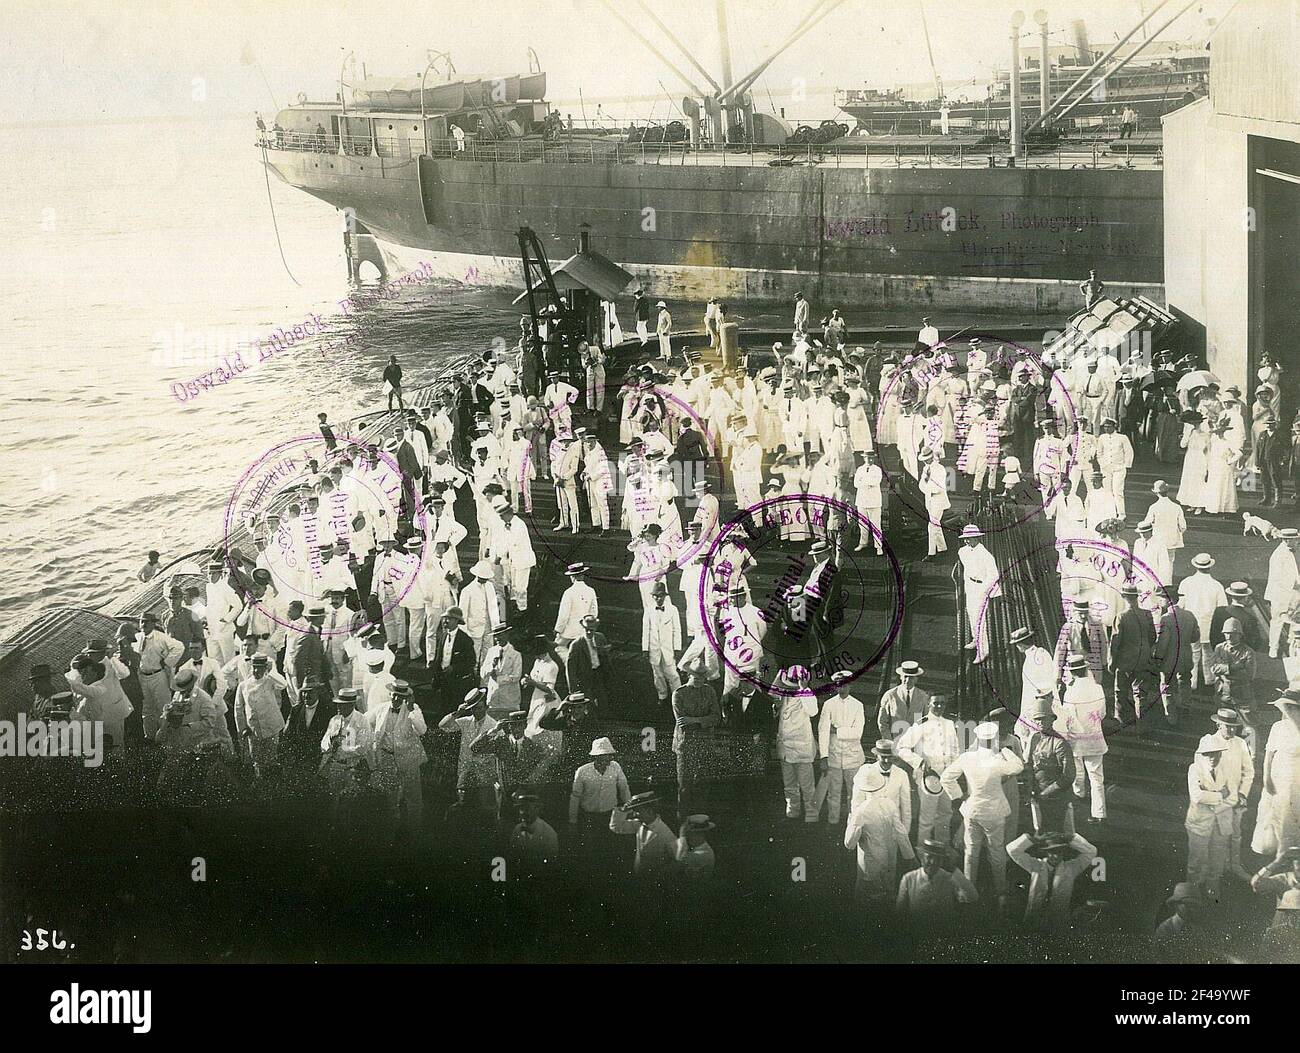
(584, 238)
(1080, 30)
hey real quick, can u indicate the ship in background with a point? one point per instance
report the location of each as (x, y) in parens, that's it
(1173, 74)
(442, 174)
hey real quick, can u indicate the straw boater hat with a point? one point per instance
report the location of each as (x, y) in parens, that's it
(1077, 663)
(1021, 635)
(645, 799)
(931, 784)
(932, 847)
(794, 676)
(1203, 561)
(575, 570)
(472, 699)
(870, 780)
(910, 668)
(970, 530)
(698, 824)
(1240, 589)
(602, 747)
(1052, 842)
(1185, 892)
(1227, 716)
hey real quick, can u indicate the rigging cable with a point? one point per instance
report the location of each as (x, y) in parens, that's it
(274, 224)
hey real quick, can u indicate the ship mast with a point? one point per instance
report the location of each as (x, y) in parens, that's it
(724, 43)
(731, 93)
(934, 70)
(725, 116)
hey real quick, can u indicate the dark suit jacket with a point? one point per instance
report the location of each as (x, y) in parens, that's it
(311, 657)
(1133, 642)
(407, 461)
(1250, 632)
(826, 609)
(577, 667)
(1050, 762)
(300, 741)
(453, 683)
(1178, 630)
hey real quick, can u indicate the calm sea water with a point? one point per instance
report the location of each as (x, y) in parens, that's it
(136, 256)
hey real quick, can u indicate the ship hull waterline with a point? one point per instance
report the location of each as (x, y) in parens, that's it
(1007, 239)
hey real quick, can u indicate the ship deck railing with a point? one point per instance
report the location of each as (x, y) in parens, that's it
(937, 151)
(1101, 125)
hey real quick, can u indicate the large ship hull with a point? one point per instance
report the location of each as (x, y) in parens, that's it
(1105, 107)
(1019, 238)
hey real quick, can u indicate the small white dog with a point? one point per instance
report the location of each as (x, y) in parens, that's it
(1256, 525)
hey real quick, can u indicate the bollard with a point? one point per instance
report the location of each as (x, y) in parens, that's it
(730, 344)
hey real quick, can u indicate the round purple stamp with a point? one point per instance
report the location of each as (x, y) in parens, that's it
(644, 478)
(828, 610)
(310, 525)
(1099, 582)
(930, 407)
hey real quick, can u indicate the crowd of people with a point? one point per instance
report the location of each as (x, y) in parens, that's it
(334, 650)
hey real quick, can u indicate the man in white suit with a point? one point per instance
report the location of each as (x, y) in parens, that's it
(661, 639)
(1283, 577)
(512, 550)
(482, 605)
(578, 601)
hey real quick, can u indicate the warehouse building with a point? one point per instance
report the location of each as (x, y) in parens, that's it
(1232, 200)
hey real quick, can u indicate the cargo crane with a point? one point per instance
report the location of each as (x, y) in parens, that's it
(557, 327)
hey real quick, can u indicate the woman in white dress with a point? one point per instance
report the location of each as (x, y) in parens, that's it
(1281, 795)
(630, 396)
(668, 515)
(638, 498)
(797, 476)
(859, 414)
(543, 676)
(770, 429)
(1196, 443)
(1221, 473)
(973, 457)
(887, 412)
(910, 427)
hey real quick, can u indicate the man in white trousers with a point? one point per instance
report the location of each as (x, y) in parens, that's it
(839, 735)
(661, 639)
(979, 575)
(928, 748)
(1201, 595)
(984, 804)
(1283, 577)
(1082, 709)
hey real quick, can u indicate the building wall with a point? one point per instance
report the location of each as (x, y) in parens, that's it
(1253, 56)
(1206, 237)
(1254, 91)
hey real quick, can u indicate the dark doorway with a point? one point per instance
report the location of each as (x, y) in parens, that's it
(1274, 302)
